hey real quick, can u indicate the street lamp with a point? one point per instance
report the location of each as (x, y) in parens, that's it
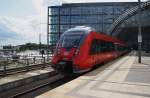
(38, 24)
(139, 31)
(40, 43)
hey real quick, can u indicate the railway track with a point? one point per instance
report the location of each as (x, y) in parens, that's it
(23, 69)
(36, 88)
(18, 91)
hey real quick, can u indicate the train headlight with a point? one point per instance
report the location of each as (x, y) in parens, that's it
(76, 52)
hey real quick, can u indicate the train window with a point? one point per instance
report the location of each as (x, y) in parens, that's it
(98, 46)
(103, 46)
(120, 48)
(93, 47)
(110, 46)
(113, 47)
(116, 47)
(69, 41)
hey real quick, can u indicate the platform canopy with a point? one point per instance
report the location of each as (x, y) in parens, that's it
(125, 27)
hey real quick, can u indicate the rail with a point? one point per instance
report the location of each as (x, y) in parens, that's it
(30, 86)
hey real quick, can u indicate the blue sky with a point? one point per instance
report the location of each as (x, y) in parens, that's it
(21, 21)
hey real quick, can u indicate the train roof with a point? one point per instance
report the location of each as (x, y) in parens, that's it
(85, 29)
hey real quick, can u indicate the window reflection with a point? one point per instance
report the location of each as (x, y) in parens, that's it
(54, 20)
(54, 28)
(54, 11)
(64, 19)
(65, 11)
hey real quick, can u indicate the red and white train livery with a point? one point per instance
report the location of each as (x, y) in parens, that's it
(81, 48)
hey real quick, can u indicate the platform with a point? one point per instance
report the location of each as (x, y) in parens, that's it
(19, 79)
(122, 78)
(19, 76)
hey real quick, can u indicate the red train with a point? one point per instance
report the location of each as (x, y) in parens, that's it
(81, 48)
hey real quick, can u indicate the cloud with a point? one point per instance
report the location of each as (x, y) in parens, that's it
(27, 28)
(6, 33)
(54, 2)
(40, 7)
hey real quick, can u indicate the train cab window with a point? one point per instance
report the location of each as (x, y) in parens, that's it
(71, 40)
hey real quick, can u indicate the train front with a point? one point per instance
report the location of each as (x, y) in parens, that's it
(66, 50)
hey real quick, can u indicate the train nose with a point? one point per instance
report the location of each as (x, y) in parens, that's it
(68, 54)
(64, 67)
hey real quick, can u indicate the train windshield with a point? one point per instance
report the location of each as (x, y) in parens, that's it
(71, 40)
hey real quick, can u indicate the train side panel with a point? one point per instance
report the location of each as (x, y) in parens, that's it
(87, 61)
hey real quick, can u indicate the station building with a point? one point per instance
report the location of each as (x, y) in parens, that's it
(97, 15)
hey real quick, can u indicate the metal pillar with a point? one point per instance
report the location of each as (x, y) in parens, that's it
(139, 31)
(58, 26)
(47, 33)
(40, 42)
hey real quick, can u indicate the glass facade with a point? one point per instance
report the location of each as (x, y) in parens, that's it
(97, 15)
